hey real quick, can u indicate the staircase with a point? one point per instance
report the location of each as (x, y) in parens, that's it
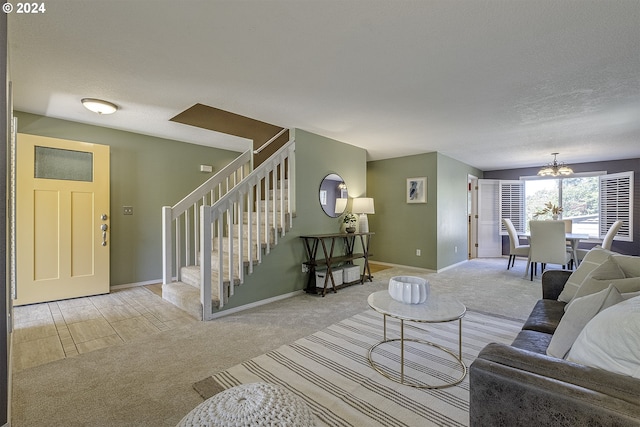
(216, 235)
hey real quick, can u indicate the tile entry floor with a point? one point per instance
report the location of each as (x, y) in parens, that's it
(50, 331)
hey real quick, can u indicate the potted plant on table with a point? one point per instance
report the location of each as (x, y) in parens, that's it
(549, 208)
(349, 221)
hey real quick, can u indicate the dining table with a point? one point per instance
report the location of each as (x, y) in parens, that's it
(573, 239)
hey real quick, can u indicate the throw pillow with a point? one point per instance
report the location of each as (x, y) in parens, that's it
(629, 295)
(599, 278)
(579, 313)
(629, 264)
(611, 340)
(591, 261)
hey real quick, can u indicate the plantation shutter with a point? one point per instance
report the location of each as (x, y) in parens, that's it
(616, 203)
(512, 205)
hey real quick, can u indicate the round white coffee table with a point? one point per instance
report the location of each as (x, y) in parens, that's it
(437, 309)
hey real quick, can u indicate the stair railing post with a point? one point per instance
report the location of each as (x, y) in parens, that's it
(240, 221)
(167, 246)
(205, 262)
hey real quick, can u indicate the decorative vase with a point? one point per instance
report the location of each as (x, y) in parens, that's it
(350, 229)
(409, 289)
(555, 217)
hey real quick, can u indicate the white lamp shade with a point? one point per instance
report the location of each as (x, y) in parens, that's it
(363, 205)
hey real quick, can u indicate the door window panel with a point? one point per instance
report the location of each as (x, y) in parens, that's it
(70, 165)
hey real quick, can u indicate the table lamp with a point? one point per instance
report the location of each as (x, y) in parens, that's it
(363, 206)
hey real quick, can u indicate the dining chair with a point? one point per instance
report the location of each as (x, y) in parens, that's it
(548, 245)
(606, 242)
(515, 247)
(568, 228)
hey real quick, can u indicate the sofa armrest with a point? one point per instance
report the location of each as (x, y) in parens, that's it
(553, 282)
(515, 387)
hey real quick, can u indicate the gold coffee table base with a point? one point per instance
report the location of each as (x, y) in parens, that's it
(402, 340)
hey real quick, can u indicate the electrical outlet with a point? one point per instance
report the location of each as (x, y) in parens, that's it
(127, 210)
(305, 268)
(418, 252)
(455, 249)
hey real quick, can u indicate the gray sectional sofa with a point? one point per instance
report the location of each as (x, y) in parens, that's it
(520, 385)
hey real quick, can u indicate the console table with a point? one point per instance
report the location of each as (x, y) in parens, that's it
(327, 242)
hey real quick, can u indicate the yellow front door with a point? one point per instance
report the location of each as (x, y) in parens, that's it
(62, 219)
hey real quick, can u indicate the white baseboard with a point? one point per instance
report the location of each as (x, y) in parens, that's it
(255, 304)
(420, 269)
(452, 266)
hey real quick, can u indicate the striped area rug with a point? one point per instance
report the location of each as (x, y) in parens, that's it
(330, 370)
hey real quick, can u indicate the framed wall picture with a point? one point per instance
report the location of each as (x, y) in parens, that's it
(417, 190)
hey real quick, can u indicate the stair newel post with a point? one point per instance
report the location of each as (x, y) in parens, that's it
(178, 247)
(220, 231)
(205, 262)
(167, 245)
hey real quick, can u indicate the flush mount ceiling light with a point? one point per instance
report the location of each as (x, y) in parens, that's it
(555, 168)
(99, 106)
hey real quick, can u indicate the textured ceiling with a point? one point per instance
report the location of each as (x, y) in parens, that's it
(494, 84)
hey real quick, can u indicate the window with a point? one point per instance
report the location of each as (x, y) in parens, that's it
(593, 202)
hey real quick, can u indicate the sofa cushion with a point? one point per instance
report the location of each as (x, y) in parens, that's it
(545, 316)
(591, 261)
(629, 264)
(534, 341)
(611, 340)
(579, 312)
(599, 278)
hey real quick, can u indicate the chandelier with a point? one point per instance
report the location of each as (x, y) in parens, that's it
(555, 168)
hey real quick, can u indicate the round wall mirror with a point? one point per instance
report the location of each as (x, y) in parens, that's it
(333, 195)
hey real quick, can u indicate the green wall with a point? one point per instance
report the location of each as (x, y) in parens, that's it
(435, 227)
(452, 222)
(401, 228)
(146, 173)
(281, 270)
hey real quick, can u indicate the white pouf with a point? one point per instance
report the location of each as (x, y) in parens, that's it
(257, 404)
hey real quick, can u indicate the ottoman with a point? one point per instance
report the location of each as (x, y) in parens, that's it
(256, 404)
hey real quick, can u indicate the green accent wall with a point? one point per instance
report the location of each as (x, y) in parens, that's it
(146, 173)
(435, 227)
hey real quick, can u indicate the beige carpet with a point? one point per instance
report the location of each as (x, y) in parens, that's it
(149, 382)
